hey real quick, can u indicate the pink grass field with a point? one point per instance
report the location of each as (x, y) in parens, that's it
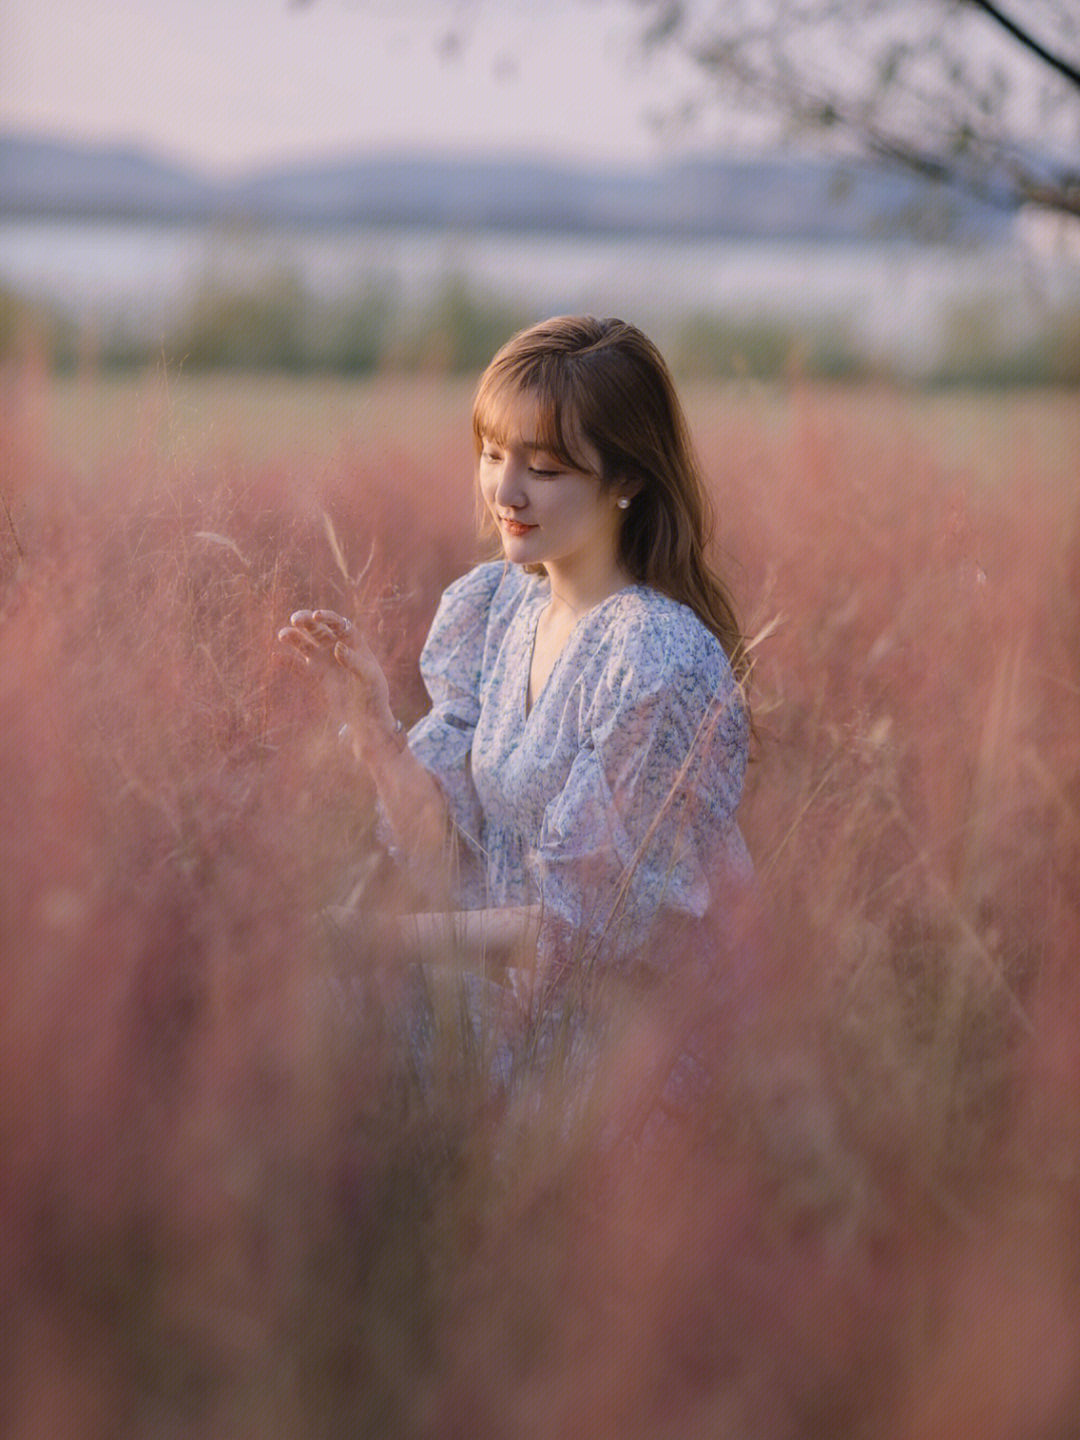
(229, 1206)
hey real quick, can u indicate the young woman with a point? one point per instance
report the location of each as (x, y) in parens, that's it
(585, 747)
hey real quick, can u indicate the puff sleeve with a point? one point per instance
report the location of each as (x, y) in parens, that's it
(643, 830)
(451, 664)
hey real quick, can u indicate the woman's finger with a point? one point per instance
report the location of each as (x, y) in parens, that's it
(338, 624)
(300, 643)
(295, 639)
(322, 635)
(304, 623)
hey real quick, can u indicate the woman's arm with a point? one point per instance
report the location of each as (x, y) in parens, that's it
(642, 833)
(500, 945)
(487, 940)
(412, 799)
(359, 699)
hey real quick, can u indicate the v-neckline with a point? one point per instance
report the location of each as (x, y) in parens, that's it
(526, 708)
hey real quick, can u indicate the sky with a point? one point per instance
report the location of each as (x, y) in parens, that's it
(234, 83)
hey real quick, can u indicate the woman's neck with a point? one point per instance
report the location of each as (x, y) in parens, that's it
(574, 592)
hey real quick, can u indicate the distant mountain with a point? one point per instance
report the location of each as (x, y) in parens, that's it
(53, 177)
(773, 197)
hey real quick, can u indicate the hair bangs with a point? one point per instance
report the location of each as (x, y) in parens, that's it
(556, 425)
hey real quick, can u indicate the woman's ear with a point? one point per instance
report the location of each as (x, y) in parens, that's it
(624, 491)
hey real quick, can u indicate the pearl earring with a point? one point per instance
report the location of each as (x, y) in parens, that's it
(623, 503)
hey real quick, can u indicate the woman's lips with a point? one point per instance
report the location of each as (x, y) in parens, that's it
(515, 527)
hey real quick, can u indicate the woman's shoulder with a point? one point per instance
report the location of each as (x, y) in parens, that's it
(469, 600)
(487, 595)
(662, 662)
(649, 634)
(474, 589)
(494, 583)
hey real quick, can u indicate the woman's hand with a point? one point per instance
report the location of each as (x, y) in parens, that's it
(336, 654)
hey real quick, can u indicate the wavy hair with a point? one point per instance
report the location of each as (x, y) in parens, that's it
(604, 382)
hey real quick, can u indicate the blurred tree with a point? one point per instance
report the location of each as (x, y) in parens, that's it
(979, 94)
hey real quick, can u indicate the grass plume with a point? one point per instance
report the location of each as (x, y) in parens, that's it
(234, 1206)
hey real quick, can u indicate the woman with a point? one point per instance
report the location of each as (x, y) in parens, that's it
(586, 744)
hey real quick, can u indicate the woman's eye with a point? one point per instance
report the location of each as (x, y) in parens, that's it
(489, 455)
(544, 474)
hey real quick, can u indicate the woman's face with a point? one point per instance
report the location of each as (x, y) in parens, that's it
(546, 513)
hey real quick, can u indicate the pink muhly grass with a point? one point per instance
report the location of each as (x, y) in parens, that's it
(231, 1204)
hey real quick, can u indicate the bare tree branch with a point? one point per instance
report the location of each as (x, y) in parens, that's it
(902, 79)
(1028, 41)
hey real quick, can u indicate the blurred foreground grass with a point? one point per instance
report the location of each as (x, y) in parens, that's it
(234, 1205)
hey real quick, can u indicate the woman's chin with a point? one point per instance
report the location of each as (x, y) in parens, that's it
(518, 549)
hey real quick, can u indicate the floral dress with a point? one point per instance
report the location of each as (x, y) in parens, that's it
(611, 802)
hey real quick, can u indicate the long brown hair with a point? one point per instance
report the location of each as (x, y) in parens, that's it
(604, 382)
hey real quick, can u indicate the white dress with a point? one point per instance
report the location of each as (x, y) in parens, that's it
(611, 803)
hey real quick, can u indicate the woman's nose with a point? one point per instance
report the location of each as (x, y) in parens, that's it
(508, 492)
